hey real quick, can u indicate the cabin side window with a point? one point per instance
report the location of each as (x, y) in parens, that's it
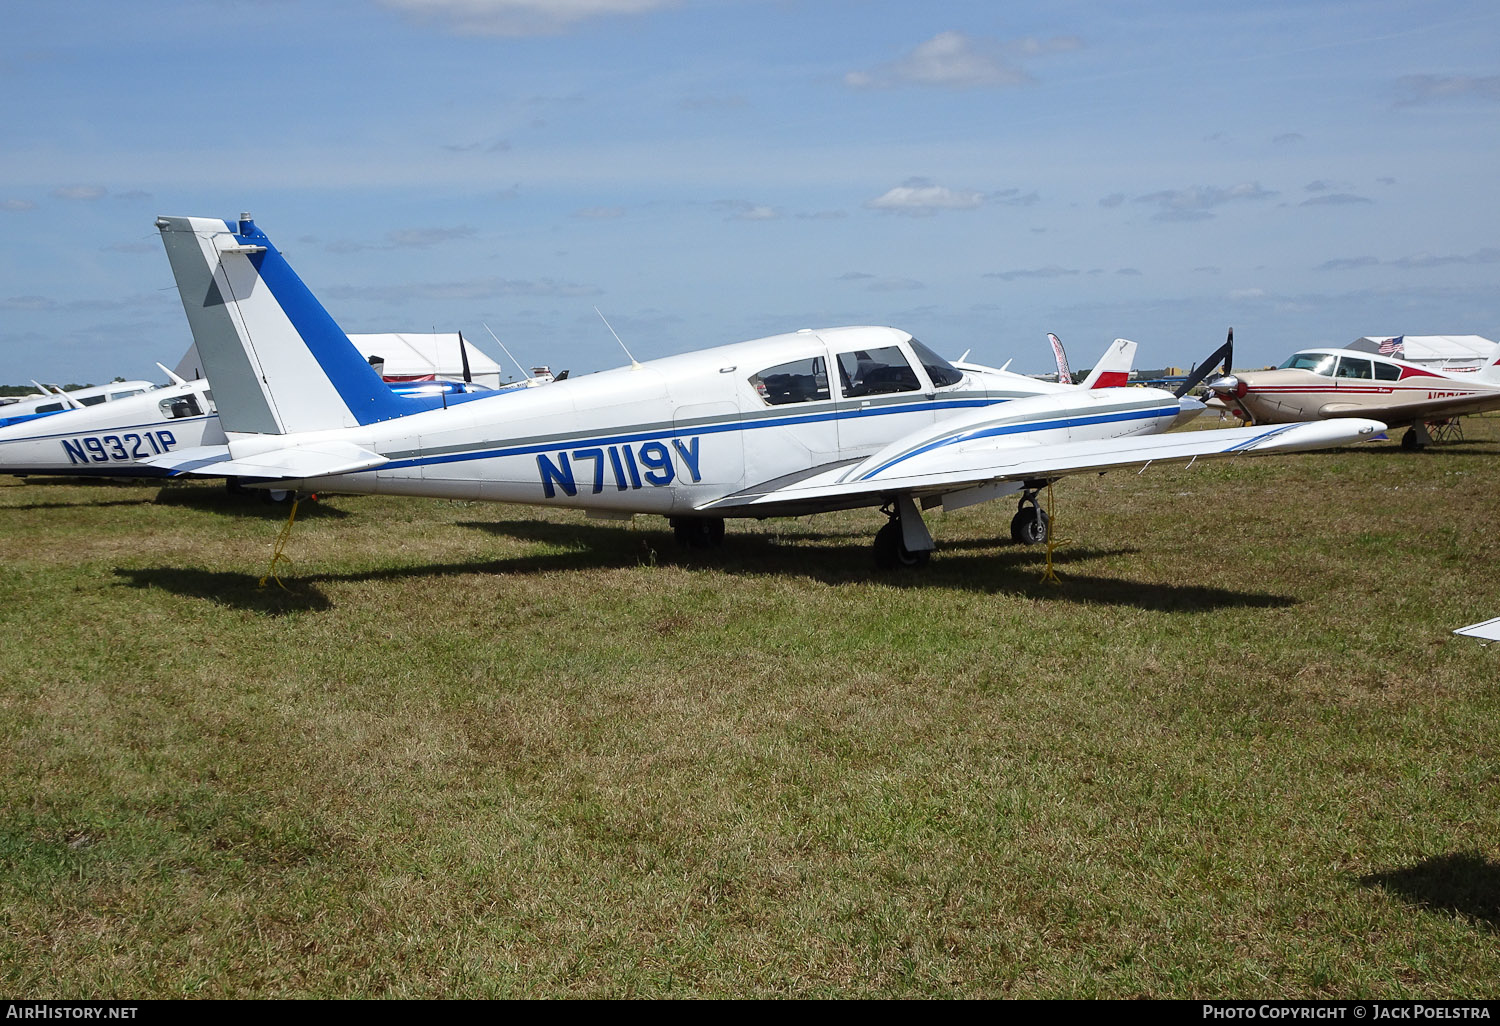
(876, 372)
(1349, 367)
(1387, 372)
(801, 381)
(181, 406)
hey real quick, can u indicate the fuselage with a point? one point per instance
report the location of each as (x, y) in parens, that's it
(1319, 383)
(670, 435)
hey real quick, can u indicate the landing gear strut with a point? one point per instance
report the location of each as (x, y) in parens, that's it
(904, 540)
(698, 532)
(1030, 525)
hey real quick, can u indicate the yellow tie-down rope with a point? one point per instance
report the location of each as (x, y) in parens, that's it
(1049, 574)
(277, 555)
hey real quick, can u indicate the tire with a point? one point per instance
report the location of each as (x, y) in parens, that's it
(698, 532)
(1030, 526)
(891, 552)
(1410, 442)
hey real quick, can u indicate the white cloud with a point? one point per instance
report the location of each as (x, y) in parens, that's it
(743, 210)
(1050, 271)
(1348, 263)
(919, 197)
(79, 192)
(952, 60)
(518, 17)
(16, 204)
(1419, 89)
(478, 288)
(1196, 202)
(894, 285)
(1334, 199)
(424, 237)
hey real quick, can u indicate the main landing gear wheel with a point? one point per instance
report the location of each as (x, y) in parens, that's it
(891, 551)
(1411, 441)
(698, 532)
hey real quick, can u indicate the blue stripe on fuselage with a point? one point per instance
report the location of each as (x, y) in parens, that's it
(1024, 428)
(587, 441)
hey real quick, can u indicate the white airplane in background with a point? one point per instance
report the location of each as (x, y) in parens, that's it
(56, 400)
(113, 438)
(800, 423)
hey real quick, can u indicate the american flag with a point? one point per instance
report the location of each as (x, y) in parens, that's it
(1394, 347)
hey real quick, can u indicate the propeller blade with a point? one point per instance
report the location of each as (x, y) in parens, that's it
(1207, 367)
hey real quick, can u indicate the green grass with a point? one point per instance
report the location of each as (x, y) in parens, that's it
(479, 750)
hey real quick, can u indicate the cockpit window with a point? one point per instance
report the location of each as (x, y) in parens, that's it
(801, 381)
(938, 369)
(1318, 363)
(876, 372)
(181, 406)
(1349, 367)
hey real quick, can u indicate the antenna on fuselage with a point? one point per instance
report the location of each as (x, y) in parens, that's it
(633, 364)
(68, 401)
(524, 375)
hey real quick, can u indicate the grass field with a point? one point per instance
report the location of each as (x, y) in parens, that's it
(479, 750)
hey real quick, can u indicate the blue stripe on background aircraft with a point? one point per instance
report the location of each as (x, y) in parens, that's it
(55, 400)
(800, 423)
(112, 430)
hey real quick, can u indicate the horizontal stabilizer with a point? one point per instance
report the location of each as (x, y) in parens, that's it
(295, 463)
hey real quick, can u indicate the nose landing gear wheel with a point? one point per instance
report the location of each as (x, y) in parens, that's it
(1030, 525)
(891, 551)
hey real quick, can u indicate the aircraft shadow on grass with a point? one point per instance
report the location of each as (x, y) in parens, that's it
(87, 503)
(590, 547)
(248, 506)
(1465, 883)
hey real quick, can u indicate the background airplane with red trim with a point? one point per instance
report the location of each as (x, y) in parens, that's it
(1319, 384)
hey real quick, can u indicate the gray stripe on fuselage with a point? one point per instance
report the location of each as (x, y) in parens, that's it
(762, 418)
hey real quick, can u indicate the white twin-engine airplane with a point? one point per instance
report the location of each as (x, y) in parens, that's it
(800, 423)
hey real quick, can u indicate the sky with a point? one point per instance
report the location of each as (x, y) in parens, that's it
(708, 171)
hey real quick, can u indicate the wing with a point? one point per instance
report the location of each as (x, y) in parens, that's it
(947, 470)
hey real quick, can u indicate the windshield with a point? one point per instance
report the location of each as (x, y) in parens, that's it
(938, 369)
(1318, 363)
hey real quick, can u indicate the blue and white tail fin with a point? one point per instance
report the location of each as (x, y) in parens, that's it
(278, 362)
(1113, 368)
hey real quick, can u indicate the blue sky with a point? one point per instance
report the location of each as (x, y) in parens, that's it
(706, 171)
